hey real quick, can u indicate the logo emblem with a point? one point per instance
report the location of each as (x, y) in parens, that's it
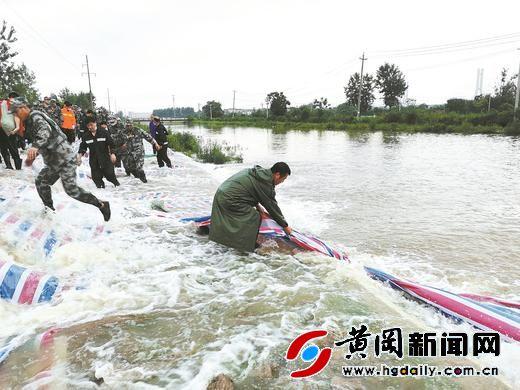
(311, 353)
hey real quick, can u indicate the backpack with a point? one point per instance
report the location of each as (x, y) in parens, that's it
(7, 119)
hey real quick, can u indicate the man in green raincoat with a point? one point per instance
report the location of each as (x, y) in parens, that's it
(235, 219)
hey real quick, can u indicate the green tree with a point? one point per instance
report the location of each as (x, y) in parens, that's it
(462, 106)
(391, 83)
(81, 99)
(170, 112)
(321, 104)
(504, 95)
(277, 103)
(14, 77)
(367, 91)
(213, 109)
(23, 84)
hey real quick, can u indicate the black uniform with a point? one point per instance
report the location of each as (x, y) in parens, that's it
(100, 146)
(161, 136)
(83, 124)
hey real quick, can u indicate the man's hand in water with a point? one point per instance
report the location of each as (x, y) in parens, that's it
(287, 230)
(31, 154)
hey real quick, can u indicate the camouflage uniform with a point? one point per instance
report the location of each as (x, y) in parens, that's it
(134, 157)
(79, 120)
(41, 106)
(54, 112)
(59, 159)
(118, 136)
(102, 115)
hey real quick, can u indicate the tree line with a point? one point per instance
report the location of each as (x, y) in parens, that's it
(177, 112)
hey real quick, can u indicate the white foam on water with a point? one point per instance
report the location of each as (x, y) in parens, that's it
(248, 307)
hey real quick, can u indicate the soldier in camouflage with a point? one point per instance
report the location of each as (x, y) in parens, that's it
(54, 111)
(49, 106)
(79, 120)
(102, 115)
(116, 130)
(43, 105)
(133, 145)
(58, 156)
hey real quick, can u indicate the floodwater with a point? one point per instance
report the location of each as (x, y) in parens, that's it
(149, 303)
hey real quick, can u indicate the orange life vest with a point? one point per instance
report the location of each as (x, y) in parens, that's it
(69, 119)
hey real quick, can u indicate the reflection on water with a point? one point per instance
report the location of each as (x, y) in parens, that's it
(279, 142)
(390, 138)
(162, 306)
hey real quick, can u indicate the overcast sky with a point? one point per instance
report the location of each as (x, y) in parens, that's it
(200, 50)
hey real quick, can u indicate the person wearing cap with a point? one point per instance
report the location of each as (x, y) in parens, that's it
(9, 127)
(69, 122)
(78, 113)
(60, 161)
(134, 148)
(116, 130)
(161, 136)
(53, 110)
(101, 154)
(102, 115)
(44, 104)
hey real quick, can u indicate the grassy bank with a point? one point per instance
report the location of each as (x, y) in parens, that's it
(207, 152)
(397, 122)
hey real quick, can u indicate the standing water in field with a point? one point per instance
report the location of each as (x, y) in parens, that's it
(147, 302)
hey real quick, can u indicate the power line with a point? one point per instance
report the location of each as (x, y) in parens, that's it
(447, 51)
(488, 55)
(449, 45)
(43, 41)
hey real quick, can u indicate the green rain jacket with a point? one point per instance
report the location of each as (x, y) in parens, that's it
(234, 218)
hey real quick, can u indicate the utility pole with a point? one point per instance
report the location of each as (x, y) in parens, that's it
(210, 111)
(489, 102)
(89, 84)
(517, 97)
(481, 80)
(108, 95)
(173, 105)
(363, 59)
(480, 76)
(234, 103)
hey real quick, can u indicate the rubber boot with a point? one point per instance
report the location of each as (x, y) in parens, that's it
(105, 210)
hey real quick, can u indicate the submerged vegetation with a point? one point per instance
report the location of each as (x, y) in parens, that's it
(410, 119)
(208, 152)
(404, 121)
